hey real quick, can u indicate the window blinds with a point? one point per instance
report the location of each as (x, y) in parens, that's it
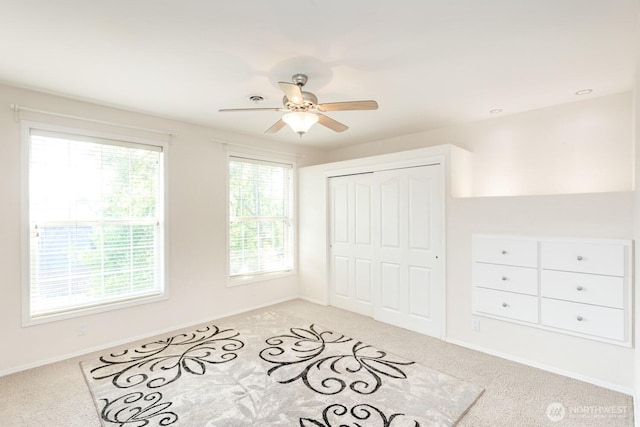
(96, 221)
(260, 217)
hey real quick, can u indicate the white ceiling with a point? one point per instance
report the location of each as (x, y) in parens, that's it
(428, 63)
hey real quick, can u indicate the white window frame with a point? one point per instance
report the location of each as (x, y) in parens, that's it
(27, 319)
(258, 277)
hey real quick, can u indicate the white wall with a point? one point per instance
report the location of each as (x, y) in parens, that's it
(197, 220)
(636, 217)
(596, 215)
(580, 147)
(593, 213)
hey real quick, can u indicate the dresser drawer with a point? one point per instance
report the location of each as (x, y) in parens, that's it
(506, 304)
(583, 318)
(523, 280)
(584, 288)
(506, 251)
(580, 257)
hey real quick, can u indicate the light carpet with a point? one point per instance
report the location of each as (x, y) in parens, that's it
(270, 369)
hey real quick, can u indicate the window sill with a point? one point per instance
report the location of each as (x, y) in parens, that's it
(70, 314)
(261, 277)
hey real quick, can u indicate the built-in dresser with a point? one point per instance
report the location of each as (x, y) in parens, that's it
(575, 286)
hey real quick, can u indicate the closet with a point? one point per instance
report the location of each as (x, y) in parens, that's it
(386, 246)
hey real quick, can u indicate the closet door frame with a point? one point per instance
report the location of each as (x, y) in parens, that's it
(377, 165)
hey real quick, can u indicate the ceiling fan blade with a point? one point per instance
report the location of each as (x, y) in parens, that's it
(233, 110)
(331, 124)
(292, 92)
(276, 126)
(349, 105)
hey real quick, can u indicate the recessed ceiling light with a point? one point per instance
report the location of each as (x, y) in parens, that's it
(256, 98)
(496, 111)
(584, 92)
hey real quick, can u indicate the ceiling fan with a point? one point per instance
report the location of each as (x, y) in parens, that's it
(303, 110)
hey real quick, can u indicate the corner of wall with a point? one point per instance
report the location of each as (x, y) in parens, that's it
(461, 172)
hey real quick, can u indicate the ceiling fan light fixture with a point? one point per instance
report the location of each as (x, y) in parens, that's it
(300, 121)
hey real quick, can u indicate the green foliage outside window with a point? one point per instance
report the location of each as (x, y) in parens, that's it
(260, 232)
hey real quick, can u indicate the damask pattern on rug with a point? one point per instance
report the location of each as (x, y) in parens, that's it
(270, 370)
(327, 362)
(137, 410)
(162, 362)
(338, 415)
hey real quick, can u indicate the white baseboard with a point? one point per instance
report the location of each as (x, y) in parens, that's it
(544, 367)
(314, 301)
(135, 338)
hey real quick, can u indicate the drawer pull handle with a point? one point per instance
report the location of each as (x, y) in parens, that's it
(579, 318)
(503, 252)
(504, 278)
(579, 258)
(579, 288)
(504, 304)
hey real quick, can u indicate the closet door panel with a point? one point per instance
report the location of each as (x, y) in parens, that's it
(341, 276)
(340, 212)
(420, 292)
(410, 202)
(363, 280)
(390, 213)
(390, 280)
(362, 220)
(351, 245)
(419, 213)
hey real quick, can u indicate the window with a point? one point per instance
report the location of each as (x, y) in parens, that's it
(95, 213)
(260, 219)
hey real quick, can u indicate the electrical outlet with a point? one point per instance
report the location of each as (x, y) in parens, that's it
(83, 328)
(475, 325)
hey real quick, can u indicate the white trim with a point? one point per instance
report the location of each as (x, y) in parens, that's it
(27, 125)
(17, 108)
(314, 301)
(233, 281)
(85, 311)
(328, 263)
(252, 147)
(381, 165)
(544, 367)
(137, 338)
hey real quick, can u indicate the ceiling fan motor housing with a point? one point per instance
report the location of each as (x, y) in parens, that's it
(309, 102)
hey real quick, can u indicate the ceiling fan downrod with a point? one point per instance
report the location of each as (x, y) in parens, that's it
(299, 79)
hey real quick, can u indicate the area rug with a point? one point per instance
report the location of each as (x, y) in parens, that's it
(270, 369)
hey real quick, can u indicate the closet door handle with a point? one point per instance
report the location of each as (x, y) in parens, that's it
(579, 288)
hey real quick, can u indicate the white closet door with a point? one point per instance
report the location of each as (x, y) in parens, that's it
(351, 243)
(386, 237)
(408, 279)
